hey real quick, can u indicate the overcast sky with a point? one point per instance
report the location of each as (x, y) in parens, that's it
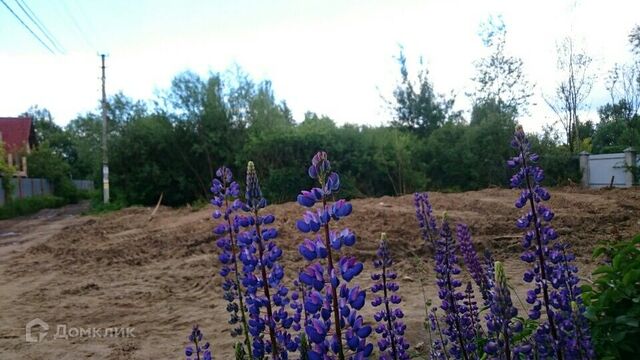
(333, 57)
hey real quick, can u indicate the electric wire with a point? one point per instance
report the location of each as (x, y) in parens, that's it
(76, 24)
(27, 26)
(34, 18)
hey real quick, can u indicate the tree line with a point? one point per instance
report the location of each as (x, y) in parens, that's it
(173, 144)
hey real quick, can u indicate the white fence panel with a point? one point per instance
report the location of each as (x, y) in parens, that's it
(603, 167)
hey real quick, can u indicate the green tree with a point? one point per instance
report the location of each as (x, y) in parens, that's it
(416, 106)
(618, 128)
(500, 77)
(145, 164)
(573, 89)
(45, 163)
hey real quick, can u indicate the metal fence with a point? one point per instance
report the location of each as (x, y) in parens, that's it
(609, 169)
(29, 187)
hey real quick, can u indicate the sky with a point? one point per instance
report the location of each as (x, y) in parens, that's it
(333, 57)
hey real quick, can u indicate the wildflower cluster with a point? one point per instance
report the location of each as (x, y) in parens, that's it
(319, 318)
(331, 303)
(458, 317)
(392, 344)
(552, 273)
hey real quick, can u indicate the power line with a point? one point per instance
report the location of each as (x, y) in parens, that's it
(76, 24)
(34, 18)
(27, 26)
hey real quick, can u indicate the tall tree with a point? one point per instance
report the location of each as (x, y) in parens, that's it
(416, 106)
(500, 77)
(573, 89)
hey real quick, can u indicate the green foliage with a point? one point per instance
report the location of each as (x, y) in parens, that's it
(613, 301)
(27, 206)
(44, 162)
(145, 163)
(560, 165)
(416, 105)
(619, 128)
(500, 78)
(6, 173)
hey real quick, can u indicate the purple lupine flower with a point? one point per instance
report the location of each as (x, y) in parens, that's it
(196, 350)
(334, 325)
(439, 345)
(225, 198)
(391, 328)
(426, 220)
(502, 323)
(472, 262)
(559, 336)
(262, 278)
(458, 317)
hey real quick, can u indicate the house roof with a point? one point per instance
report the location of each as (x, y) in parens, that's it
(16, 132)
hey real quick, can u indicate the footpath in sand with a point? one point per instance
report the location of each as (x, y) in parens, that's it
(159, 276)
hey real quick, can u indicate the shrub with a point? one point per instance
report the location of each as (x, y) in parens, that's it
(613, 300)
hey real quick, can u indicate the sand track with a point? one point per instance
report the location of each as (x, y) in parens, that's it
(159, 276)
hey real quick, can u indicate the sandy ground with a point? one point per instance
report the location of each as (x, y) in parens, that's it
(159, 276)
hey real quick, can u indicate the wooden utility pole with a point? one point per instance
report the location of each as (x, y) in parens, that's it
(105, 159)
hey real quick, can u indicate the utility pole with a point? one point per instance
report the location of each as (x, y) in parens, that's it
(105, 159)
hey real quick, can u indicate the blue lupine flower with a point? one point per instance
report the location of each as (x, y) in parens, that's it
(426, 220)
(333, 325)
(472, 261)
(265, 291)
(196, 350)
(502, 323)
(458, 317)
(225, 198)
(562, 334)
(392, 344)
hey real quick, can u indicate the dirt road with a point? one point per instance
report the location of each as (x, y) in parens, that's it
(159, 277)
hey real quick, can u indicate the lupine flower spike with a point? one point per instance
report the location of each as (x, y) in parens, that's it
(392, 344)
(331, 305)
(196, 350)
(260, 254)
(426, 220)
(551, 272)
(225, 198)
(472, 261)
(460, 332)
(502, 323)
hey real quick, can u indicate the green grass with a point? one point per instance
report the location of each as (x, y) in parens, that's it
(30, 205)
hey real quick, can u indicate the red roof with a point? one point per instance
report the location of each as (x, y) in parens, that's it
(16, 132)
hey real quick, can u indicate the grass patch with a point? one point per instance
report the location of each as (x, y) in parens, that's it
(27, 206)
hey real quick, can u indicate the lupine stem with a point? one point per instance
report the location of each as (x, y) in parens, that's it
(195, 342)
(234, 251)
(541, 260)
(394, 352)
(265, 284)
(444, 348)
(334, 293)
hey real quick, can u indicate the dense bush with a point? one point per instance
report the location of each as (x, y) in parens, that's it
(45, 163)
(613, 300)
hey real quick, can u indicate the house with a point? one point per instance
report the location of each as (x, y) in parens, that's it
(19, 138)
